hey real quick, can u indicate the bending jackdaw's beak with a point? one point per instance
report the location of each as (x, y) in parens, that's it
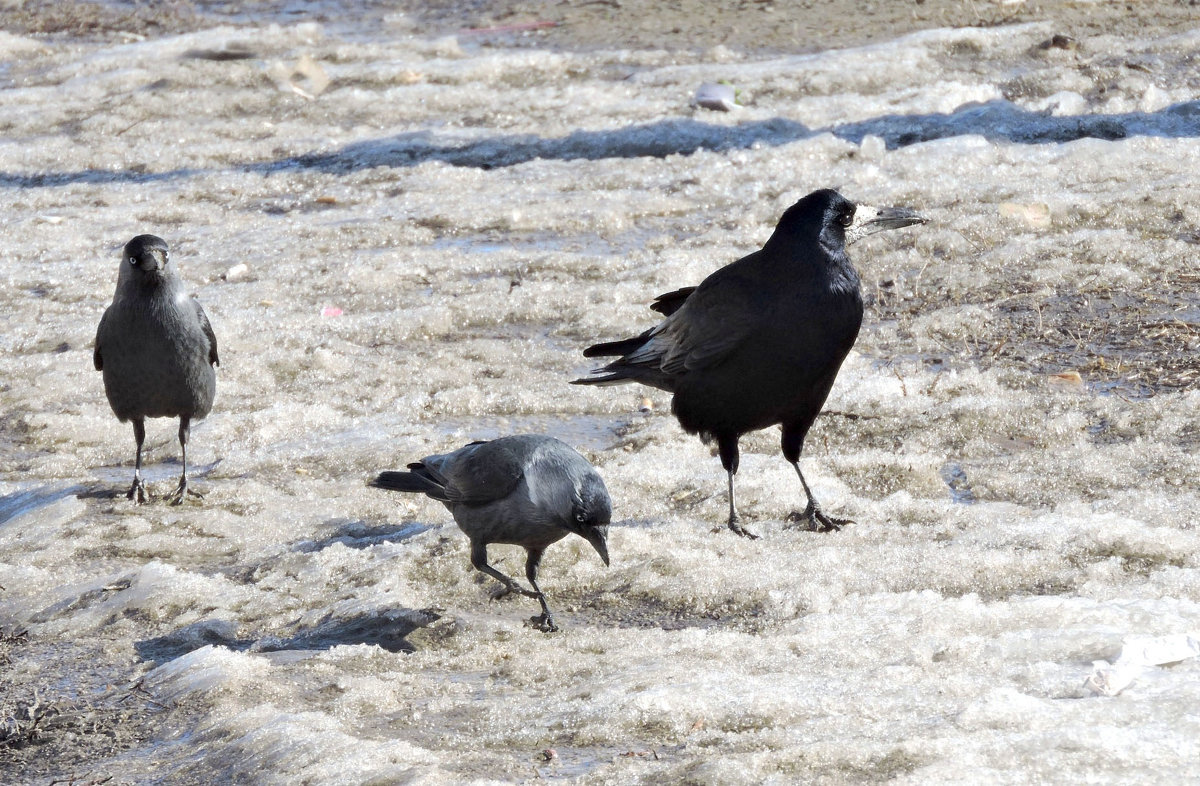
(598, 537)
(869, 220)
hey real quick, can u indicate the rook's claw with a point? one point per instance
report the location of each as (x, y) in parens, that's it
(740, 530)
(817, 520)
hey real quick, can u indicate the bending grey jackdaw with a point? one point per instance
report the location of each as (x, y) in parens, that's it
(157, 351)
(528, 490)
(761, 340)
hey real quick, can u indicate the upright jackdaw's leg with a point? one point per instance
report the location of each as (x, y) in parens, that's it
(532, 560)
(480, 562)
(137, 492)
(182, 490)
(727, 447)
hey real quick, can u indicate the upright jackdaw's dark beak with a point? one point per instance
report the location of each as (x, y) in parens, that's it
(598, 537)
(869, 220)
(152, 261)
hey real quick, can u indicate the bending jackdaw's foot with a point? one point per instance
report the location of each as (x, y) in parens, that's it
(544, 623)
(512, 588)
(181, 491)
(817, 520)
(137, 492)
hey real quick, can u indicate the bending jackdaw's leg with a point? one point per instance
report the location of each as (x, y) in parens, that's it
(532, 560)
(182, 490)
(727, 447)
(137, 492)
(816, 518)
(480, 562)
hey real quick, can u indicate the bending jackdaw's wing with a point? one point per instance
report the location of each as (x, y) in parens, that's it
(480, 473)
(208, 333)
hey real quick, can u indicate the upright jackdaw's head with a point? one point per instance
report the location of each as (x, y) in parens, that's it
(144, 259)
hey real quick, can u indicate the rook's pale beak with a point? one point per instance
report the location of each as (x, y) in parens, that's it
(869, 220)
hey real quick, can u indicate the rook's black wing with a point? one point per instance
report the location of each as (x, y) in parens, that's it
(670, 302)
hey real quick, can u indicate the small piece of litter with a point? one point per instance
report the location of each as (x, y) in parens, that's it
(1066, 379)
(331, 311)
(1036, 215)
(1137, 654)
(711, 95)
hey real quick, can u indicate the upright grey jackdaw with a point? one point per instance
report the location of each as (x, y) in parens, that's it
(157, 351)
(761, 340)
(527, 490)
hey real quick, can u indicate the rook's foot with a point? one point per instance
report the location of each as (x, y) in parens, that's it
(816, 519)
(740, 530)
(137, 492)
(544, 623)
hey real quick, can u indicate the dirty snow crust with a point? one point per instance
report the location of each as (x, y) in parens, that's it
(403, 244)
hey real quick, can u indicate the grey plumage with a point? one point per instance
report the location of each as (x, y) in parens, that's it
(760, 341)
(527, 490)
(157, 351)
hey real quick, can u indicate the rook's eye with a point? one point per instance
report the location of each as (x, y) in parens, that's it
(133, 261)
(847, 218)
(580, 518)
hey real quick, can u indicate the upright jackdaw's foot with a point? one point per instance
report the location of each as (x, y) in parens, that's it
(182, 490)
(137, 492)
(816, 519)
(544, 623)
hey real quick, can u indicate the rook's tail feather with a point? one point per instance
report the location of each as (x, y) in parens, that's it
(608, 349)
(607, 379)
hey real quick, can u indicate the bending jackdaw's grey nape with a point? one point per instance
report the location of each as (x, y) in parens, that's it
(527, 490)
(759, 342)
(157, 351)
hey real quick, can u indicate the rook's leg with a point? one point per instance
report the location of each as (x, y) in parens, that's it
(545, 622)
(816, 518)
(728, 449)
(479, 562)
(182, 490)
(813, 514)
(137, 492)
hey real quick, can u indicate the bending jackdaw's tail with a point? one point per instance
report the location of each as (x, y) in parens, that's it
(417, 481)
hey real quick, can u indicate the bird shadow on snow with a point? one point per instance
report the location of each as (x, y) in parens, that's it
(998, 121)
(358, 534)
(28, 500)
(385, 628)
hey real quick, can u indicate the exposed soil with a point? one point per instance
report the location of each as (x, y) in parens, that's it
(687, 25)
